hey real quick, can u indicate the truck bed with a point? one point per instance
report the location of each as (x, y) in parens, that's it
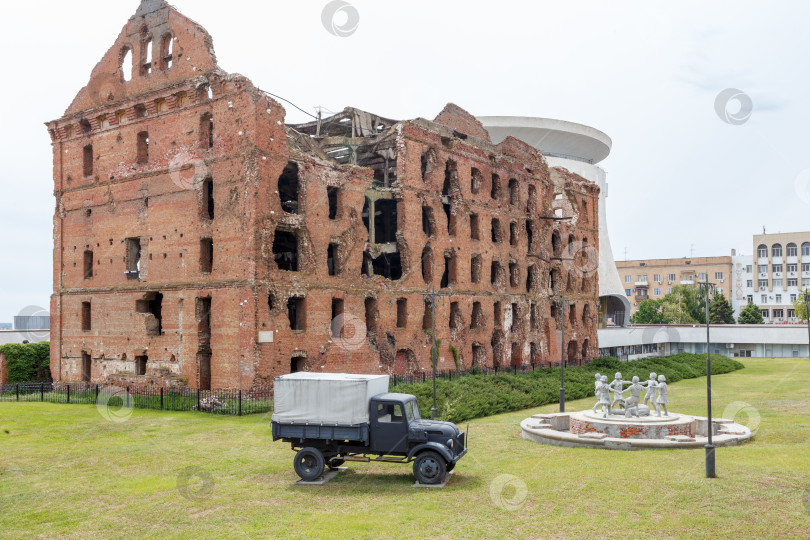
(357, 433)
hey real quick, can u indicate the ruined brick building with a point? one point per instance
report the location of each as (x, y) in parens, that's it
(200, 239)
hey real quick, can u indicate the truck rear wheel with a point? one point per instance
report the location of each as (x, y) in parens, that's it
(309, 464)
(429, 468)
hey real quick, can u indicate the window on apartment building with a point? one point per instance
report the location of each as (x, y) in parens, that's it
(88, 264)
(793, 298)
(627, 292)
(805, 282)
(88, 160)
(777, 268)
(627, 279)
(657, 278)
(296, 312)
(402, 312)
(777, 283)
(332, 197)
(806, 249)
(778, 298)
(143, 147)
(656, 292)
(718, 275)
(748, 269)
(792, 267)
(766, 314)
(776, 250)
(750, 298)
(805, 267)
(792, 251)
(762, 251)
(669, 290)
(749, 283)
(703, 276)
(762, 283)
(87, 317)
(764, 298)
(778, 313)
(792, 282)
(206, 255)
(791, 313)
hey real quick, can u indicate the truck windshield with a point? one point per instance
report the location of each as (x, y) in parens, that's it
(412, 410)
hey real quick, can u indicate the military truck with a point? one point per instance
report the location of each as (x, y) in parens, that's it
(332, 418)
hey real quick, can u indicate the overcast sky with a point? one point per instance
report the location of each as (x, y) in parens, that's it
(644, 73)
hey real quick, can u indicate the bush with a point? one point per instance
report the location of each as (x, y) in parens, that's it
(28, 362)
(475, 396)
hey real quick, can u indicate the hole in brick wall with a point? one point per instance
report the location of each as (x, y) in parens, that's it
(402, 312)
(514, 192)
(166, 51)
(140, 111)
(387, 265)
(152, 305)
(206, 255)
(208, 198)
(450, 178)
(385, 221)
(555, 281)
(332, 196)
(529, 234)
(571, 245)
(584, 212)
(531, 278)
(553, 310)
(285, 250)
(337, 319)
(534, 319)
(513, 233)
(495, 230)
(88, 264)
(572, 314)
(479, 355)
(143, 147)
(427, 221)
(288, 188)
(371, 316)
(555, 243)
(515, 319)
(534, 354)
(296, 312)
(516, 354)
(202, 313)
(207, 131)
(126, 64)
(475, 227)
(427, 316)
(146, 55)
(456, 319)
(87, 316)
(586, 314)
(572, 352)
(477, 316)
(427, 265)
(497, 314)
(271, 301)
(497, 347)
(385, 168)
(332, 260)
(86, 367)
(514, 274)
(476, 179)
(84, 124)
(496, 273)
(133, 257)
(449, 269)
(140, 364)
(531, 201)
(87, 160)
(495, 191)
(424, 165)
(297, 364)
(451, 220)
(476, 266)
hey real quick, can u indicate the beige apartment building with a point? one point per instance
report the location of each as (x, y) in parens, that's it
(653, 278)
(782, 272)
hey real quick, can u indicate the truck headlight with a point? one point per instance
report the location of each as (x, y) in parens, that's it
(450, 443)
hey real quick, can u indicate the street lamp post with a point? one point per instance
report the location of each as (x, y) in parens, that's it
(807, 316)
(710, 472)
(562, 301)
(434, 354)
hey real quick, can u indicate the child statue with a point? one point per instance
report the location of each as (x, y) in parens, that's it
(650, 395)
(631, 406)
(596, 390)
(617, 385)
(603, 393)
(662, 396)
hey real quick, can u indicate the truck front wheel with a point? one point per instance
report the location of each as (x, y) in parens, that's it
(309, 464)
(429, 468)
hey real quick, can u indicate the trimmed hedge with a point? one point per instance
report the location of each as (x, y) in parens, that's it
(28, 362)
(475, 396)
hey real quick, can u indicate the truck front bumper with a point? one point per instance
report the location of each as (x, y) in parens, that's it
(460, 455)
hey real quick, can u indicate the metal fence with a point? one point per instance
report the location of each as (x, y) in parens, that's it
(232, 402)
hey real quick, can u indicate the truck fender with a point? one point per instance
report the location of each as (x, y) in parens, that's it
(436, 447)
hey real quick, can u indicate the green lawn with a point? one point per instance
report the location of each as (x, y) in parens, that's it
(67, 471)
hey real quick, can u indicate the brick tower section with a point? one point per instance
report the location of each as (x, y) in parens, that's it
(199, 240)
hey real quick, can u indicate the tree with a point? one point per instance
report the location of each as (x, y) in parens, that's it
(649, 312)
(683, 306)
(720, 311)
(750, 314)
(801, 308)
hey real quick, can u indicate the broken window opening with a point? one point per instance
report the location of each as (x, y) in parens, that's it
(450, 178)
(372, 312)
(451, 221)
(427, 221)
(152, 305)
(515, 318)
(385, 221)
(534, 354)
(496, 273)
(87, 317)
(206, 255)
(133, 258)
(285, 250)
(572, 314)
(288, 188)
(479, 355)
(87, 367)
(402, 312)
(586, 314)
(456, 319)
(529, 234)
(531, 201)
(427, 265)
(555, 281)
(497, 314)
(553, 310)
(387, 265)
(271, 301)
(447, 280)
(140, 111)
(337, 317)
(531, 278)
(207, 133)
(296, 312)
(332, 196)
(534, 320)
(495, 230)
(476, 265)
(166, 51)
(517, 357)
(513, 234)
(202, 309)
(424, 166)
(427, 316)
(84, 123)
(140, 365)
(208, 198)
(495, 192)
(514, 274)
(514, 192)
(477, 316)
(88, 264)
(332, 260)
(126, 64)
(476, 179)
(555, 244)
(87, 161)
(474, 227)
(143, 147)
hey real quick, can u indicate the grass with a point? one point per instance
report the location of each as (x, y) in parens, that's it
(66, 471)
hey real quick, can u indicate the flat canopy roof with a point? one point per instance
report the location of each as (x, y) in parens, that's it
(552, 137)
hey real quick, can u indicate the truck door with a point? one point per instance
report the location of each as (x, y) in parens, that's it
(389, 427)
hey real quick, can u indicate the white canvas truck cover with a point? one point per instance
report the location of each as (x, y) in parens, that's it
(325, 398)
